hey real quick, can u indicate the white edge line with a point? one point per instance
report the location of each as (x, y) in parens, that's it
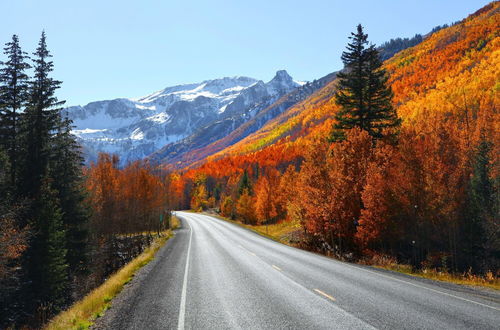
(424, 287)
(182, 309)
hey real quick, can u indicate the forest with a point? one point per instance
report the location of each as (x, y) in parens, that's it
(64, 227)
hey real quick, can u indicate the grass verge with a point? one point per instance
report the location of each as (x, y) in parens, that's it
(174, 222)
(489, 280)
(283, 231)
(82, 314)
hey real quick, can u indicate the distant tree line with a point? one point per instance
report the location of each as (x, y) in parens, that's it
(390, 48)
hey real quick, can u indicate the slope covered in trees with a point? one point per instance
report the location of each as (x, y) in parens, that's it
(459, 56)
(430, 197)
(294, 99)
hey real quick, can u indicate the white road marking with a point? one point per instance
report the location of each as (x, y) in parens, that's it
(324, 294)
(426, 288)
(276, 267)
(182, 309)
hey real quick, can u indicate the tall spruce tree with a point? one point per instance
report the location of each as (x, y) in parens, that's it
(66, 171)
(39, 122)
(13, 97)
(362, 92)
(45, 259)
(48, 267)
(481, 234)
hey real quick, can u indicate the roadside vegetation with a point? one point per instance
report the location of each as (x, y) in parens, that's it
(84, 312)
(488, 280)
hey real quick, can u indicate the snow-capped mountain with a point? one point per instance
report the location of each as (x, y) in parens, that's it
(223, 133)
(135, 128)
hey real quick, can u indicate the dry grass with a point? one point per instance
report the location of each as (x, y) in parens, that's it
(174, 222)
(489, 280)
(280, 232)
(84, 312)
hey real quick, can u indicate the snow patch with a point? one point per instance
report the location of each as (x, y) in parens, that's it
(160, 118)
(137, 134)
(145, 107)
(87, 131)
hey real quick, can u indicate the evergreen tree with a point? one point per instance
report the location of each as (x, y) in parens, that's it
(39, 122)
(66, 171)
(481, 234)
(41, 146)
(244, 184)
(13, 97)
(362, 91)
(47, 268)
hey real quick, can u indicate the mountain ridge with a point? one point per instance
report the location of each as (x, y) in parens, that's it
(135, 128)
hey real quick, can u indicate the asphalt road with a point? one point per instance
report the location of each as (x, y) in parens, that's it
(216, 275)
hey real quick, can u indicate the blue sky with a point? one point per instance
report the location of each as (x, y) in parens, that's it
(105, 49)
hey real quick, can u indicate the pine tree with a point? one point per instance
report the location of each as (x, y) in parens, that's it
(66, 171)
(480, 231)
(13, 97)
(43, 141)
(48, 268)
(244, 184)
(362, 93)
(39, 122)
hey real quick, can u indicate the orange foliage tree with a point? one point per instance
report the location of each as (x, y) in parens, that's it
(245, 208)
(128, 200)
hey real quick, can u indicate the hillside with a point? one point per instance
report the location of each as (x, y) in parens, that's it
(217, 137)
(454, 71)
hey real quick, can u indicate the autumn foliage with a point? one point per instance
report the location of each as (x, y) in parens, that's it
(124, 201)
(426, 198)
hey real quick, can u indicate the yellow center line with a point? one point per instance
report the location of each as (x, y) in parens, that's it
(276, 267)
(324, 294)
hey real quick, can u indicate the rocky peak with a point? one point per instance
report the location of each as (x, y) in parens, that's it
(282, 81)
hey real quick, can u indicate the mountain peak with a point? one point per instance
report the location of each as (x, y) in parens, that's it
(282, 75)
(282, 81)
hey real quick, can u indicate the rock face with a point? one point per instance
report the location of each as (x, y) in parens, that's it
(136, 128)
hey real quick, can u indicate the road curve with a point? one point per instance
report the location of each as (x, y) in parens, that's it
(216, 275)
